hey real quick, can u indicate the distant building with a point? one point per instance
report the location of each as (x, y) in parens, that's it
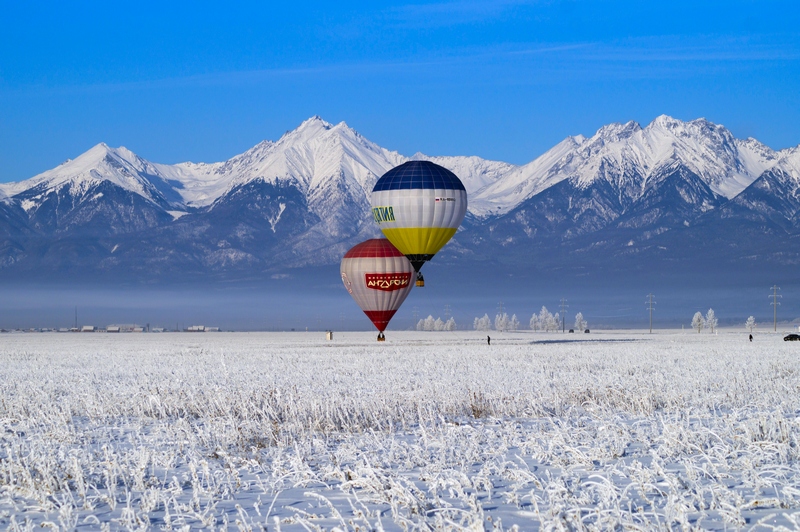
(201, 328)
(124, 327)
(87, 328)
(113, 328)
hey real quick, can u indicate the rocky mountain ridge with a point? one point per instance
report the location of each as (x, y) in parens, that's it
(304, 199)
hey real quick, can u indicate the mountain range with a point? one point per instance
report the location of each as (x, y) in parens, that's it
(669, 197)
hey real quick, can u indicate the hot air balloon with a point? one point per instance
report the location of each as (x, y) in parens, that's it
(419, 206)
(379, 278)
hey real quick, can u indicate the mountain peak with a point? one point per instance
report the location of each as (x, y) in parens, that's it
(666, 121)
(98, 153)
(617, 131)
(315, 122)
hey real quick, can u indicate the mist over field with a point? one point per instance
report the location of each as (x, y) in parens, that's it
(315, 299)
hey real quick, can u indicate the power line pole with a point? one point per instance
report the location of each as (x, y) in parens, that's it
(650, 304)
(774, 295)
(564, 308)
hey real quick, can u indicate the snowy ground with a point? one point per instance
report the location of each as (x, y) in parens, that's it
(285, 431)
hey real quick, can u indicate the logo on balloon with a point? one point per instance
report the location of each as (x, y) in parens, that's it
(383, 214)
(387, 282)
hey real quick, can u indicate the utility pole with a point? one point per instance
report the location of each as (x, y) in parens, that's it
(76, 317)
(564, 308)
(774, 295)
(650, 304)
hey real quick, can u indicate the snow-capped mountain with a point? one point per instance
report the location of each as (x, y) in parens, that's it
(628, 157)
(304, 199)
(474, 172)
(106, 190)
(774, 197)
(520, 183)
(312, 157)
(101, 164)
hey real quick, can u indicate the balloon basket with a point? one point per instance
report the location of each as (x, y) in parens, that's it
(420, 280)
(381, 337)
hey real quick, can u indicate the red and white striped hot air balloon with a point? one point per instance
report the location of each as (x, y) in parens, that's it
(379, 278)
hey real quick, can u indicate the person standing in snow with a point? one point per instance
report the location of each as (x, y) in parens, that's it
(751, 337)
(488, 340)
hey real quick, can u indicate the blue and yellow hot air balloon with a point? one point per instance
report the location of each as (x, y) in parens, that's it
(419, 206)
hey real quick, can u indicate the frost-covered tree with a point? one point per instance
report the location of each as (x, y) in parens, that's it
(545, 321)
(429, 324)
(698, 322)
(501, 322)
(553, 322)
(711, 320)
(513, 324)
(483, 324)
(544, 318)
(580, 323)
(534, 323)
(750, 323)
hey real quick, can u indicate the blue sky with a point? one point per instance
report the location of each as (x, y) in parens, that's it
(505, 80)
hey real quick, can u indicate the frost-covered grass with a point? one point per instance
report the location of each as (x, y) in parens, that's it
(431, 430)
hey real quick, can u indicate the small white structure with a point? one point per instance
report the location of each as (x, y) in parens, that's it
(329, 335)
(196, 328)
(112, 328)
(87, 328)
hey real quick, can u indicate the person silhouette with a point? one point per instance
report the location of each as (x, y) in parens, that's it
(489, 340)
(751, 337)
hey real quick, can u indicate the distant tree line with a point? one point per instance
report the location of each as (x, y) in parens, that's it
(430, 324)
(544, 321)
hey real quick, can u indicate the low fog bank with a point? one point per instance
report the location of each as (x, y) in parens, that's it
(315, 299)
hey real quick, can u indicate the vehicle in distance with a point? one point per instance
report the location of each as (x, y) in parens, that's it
(791, 337)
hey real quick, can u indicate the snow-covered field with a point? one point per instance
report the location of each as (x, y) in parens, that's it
(428, 431)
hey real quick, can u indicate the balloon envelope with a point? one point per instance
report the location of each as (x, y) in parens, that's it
(378, 277)
(419, 206)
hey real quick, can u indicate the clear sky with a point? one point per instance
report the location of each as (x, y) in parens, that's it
(203, 81)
